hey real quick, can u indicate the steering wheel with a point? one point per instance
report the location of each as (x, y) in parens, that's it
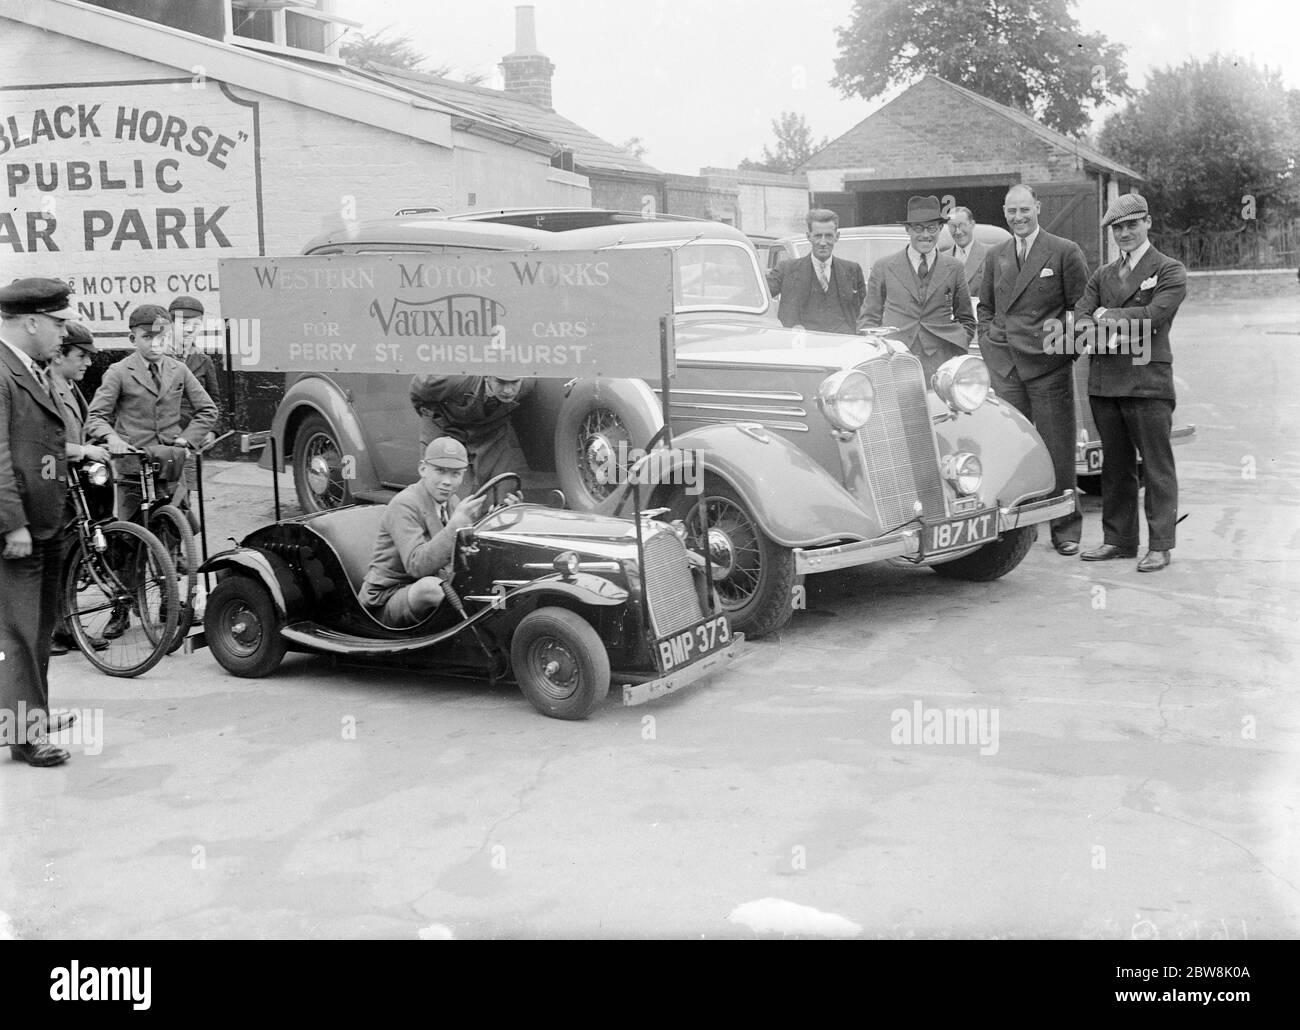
(493, 487)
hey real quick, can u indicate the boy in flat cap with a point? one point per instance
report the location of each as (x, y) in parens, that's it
(33, 491)
(416, 539)
(1128, 309)
(187, 323)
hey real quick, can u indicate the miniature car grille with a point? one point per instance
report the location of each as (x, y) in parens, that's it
(897, 445)
(669, 590)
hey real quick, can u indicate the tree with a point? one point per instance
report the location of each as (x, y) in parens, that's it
(634, 145)
(1206, 134)
(1027, 54)
(794, 145)
(397, 51)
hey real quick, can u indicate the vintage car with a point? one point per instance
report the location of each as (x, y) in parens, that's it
(553, 599)
(866, 244)
(816, 451)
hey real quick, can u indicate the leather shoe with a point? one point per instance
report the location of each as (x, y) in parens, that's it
(58, 647)
(1108, 551)
(1154, 561)
(61, 718)
(40, 752)
(118, 624)
(1066, 547)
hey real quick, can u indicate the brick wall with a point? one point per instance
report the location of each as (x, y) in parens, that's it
(1223, 286)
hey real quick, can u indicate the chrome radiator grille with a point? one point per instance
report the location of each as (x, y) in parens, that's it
(669, 590)
(897, 445)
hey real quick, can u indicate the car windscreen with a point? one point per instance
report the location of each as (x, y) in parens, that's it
(865, 250)
(716, 275)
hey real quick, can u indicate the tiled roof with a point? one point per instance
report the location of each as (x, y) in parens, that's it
(589, 151)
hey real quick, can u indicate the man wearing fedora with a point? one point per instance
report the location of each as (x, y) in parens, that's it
(1131, 384)
(816, 292)
(922, 292)
(1031, 283)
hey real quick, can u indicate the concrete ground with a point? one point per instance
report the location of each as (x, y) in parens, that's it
(1136, 776)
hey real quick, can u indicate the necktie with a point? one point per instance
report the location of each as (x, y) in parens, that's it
(157, 376)
(43, 378)
(1124, 269)
(1020, 253)
(442, 513)
(923, 270)
(822, 276)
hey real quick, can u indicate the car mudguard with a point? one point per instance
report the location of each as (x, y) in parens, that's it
(582, 587)
(1015, 459)
(272, 572)
(326, 398)
(794, 500)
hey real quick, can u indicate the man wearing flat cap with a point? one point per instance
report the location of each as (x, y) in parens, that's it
(476, 411)
(922, 292)
(1126, 314)
(33, 491)
(417, 538)
(818, 292)
(1031, 283)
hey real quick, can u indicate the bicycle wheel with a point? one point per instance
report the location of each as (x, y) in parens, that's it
(172, 529)
(132, 583)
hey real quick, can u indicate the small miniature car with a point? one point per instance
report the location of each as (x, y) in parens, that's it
(553, 599)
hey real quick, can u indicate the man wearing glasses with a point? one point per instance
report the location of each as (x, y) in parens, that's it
(922, 292)
(1129, 306)
(1031, 282)
(33, 490)
(816, 292)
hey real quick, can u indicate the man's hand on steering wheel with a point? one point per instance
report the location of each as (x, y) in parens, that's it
(491, 490)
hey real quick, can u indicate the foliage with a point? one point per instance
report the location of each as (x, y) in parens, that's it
(1027, 54)
(1206, 134)
(794, 145)
(364, 48)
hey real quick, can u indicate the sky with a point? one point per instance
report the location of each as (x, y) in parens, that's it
(700, 81)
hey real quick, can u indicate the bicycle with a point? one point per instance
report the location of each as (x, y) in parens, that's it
(116, 570)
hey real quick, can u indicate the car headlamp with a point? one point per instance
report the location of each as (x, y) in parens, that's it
(964, 471)
(846, 398)
(97, 473)
(962, 382)
(566, 564)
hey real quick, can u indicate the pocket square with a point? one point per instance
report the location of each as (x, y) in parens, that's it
(1147, 283)
(1045, 273)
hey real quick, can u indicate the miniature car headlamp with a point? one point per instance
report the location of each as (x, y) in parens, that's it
(566, 564)
(964, 471)
(97, 473)
(963, 382)
(846, 398)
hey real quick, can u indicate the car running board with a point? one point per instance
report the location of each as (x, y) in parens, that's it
(328, 641)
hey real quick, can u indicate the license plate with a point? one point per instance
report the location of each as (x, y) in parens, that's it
(1092, 458)
(959, 533)
(690, 645)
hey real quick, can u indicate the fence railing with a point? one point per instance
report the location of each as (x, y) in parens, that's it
(1254, 246)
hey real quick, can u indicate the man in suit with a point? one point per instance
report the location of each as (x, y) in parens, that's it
(66, 370)
(817, 292)
(922, 292)
(474, 410)
(417, 539)
(1125, 314)
(966, 248)
(33, 491)
(138, 405)
(1031, 283)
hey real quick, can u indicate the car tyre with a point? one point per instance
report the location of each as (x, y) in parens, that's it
(992, 561)
(756, 589)
(598, 417)
(318, 466)
(242, 626)
(559, 663)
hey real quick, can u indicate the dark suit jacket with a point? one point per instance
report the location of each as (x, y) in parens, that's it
(1020, 309)
(128, 403)
(938, 319)
(975, 256)
(33, 469)
(1139, 363)
(75, 410)
(794, 279)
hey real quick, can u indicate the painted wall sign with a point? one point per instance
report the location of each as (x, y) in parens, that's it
(128, 191)
(542, 313)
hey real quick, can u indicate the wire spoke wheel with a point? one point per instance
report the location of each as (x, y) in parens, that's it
(600, 433)
(318, 466)
(121, 603)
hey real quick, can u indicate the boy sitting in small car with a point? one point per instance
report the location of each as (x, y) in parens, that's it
(417, 537)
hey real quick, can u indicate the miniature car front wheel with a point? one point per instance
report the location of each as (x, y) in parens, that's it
(242, 626)
(994, 560)
(318, 470)
(559, 663)
(752, 573)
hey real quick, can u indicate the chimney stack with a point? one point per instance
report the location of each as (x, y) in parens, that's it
(527, 71)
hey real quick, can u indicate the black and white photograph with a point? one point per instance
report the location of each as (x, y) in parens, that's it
(651, 470)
